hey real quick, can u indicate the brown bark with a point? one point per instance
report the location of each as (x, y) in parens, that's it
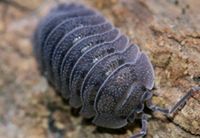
(168, 31)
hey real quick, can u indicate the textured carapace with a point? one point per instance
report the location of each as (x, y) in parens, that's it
(95, 66)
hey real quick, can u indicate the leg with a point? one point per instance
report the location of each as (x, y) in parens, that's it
(144, 127)
(146, 96)
(182, 101)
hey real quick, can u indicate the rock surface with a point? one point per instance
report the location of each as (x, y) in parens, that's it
(168, 31)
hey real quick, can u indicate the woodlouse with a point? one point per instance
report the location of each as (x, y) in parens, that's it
(91, 63)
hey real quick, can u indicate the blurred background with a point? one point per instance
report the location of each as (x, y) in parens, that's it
(168, 31)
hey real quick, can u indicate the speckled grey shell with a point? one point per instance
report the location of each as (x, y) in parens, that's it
(92, 64)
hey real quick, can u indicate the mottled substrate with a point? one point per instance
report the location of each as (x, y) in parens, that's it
(171, 38)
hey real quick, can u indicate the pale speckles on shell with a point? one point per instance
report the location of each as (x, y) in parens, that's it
(90, 62)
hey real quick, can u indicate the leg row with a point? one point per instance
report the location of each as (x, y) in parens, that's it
(144, 127)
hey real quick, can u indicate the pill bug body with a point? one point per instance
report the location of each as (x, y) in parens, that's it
(88, 61)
